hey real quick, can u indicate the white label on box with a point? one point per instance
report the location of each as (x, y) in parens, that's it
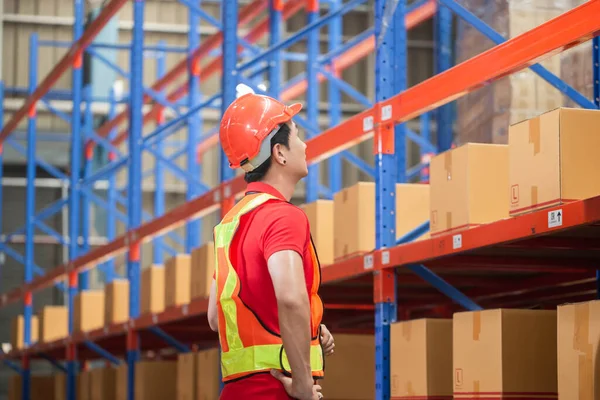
(386, 112)
(385, 257)
(457, 241)
(555, 218)
(368, 123)
(368, 261)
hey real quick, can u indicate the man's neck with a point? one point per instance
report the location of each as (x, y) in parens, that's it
(283, 186)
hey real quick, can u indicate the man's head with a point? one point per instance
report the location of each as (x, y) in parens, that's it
(258, 135)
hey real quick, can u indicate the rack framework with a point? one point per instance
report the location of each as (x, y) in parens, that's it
(552, 263)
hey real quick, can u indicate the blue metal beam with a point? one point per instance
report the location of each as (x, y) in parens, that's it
(347, 88)
(440, 284)
(47, 167)
(102, 353)
(54, 363)
(414, 234)
(229, 77)
(295, 38)
(180, 347)
(335, 97)
(497, 38)
(313, 180)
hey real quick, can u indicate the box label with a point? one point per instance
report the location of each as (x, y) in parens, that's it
(555, 218)
(457, 241)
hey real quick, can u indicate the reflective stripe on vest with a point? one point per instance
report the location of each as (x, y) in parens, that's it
(247, 347)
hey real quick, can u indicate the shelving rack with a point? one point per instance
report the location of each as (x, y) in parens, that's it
(551, 264)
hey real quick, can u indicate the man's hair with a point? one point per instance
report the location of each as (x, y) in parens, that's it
(282, 136)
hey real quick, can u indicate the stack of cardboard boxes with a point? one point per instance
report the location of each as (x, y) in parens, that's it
(484, 115)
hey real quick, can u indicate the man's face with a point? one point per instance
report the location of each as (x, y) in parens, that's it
(296, 155)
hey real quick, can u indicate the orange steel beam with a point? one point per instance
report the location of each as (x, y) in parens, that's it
(576, 26)
(73, 55)
(246, 15)
(289, 9)
(340, 63)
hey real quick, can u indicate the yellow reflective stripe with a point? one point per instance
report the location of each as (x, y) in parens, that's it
(262, 357)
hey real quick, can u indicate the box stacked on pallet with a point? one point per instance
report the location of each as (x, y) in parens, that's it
(155, 380)
(505, 353)
(53, 323)
(421, 359)
(320, 218)
(103, 383)
(17, 331)
(577, 68)
(178, 272)
(578, 351)
(485, 114)
(88, 311)
(153, 290)
(41, 388)
(116, 308)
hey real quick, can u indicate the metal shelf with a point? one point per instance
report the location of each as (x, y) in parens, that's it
(513, 262)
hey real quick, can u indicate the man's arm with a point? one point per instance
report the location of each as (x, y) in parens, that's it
(287, 273)
(213, 318)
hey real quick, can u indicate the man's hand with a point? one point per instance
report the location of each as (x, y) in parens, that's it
(327, 340)
(288, 385)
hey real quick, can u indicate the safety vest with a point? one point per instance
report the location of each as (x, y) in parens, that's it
(247, 347)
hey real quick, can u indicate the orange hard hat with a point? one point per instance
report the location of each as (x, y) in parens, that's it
(245, 125)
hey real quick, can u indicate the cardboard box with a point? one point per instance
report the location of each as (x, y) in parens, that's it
(60, 386)
(153, 290)
(121, 382)
(41, 388)
(578, 351)
(320, 217)
(17, 332)
(88, 311)
(117, 302)
(505, 352)
(203, 268)
(103, 383)
(85, 385)
(350, 372)
(178, 274)
(552, 158)
(187, 367)
(354, 216)
(155, 380)
(421, 359)
(54, 323)
(468, 187)
(208, 374)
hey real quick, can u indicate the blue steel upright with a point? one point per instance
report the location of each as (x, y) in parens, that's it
(159, 175)
(111, 223)
(30, 210)
(312, 94)
(84, 278)
(229, 78)
(194, 128)
(135, 185)
(275, 24)
(443, 61)
(335, 100)
(77, 88)
(390, 64)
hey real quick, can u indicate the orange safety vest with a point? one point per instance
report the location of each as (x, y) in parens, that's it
(246, 346)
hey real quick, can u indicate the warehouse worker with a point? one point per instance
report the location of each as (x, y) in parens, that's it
(264, 300)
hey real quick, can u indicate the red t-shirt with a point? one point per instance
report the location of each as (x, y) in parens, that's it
(272, 227)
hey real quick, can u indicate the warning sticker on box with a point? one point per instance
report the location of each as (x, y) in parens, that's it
(555, 218)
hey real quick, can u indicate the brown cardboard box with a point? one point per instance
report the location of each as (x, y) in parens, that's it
(88, 312)
(208, 374)
(103, 383)
(578, 351)
(54, 323)
(85, 385)
(41, 388)
(505, 352)
(468, 187)
(60, 386)
(350, 372)
(17, 332)
(117, 302)
(551, 159)
(320, 217)
(121, 382)
(354, 216)
(421, 359)
(155, 380)
(203, 268)
(186, 376)
(178, 273)
(153, 290)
